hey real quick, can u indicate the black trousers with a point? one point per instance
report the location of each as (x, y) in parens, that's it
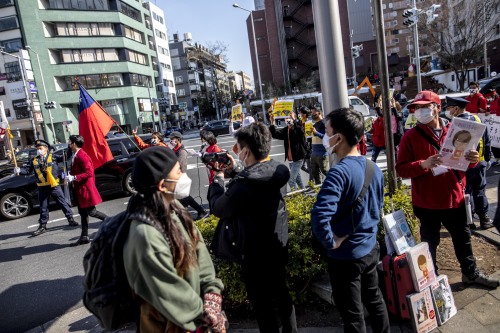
(85, 213)
(189, 201)
(265, 280)
(354, 284)
(455, 221)
(476, 187)
(44, 192)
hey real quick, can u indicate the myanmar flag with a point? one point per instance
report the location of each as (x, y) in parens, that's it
(93, 124)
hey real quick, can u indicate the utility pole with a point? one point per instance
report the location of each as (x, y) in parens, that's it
(330, 54)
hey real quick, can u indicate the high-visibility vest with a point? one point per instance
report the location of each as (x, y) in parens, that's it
(41, 179)
(480, 146)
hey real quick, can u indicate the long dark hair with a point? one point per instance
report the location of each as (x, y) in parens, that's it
(158, 210)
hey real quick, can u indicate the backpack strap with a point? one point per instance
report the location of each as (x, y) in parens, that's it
(433, 143)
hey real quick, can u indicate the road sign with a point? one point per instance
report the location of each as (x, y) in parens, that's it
(33, 88)
(183, 105)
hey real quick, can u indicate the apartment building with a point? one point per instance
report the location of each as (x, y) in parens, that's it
(107, 45)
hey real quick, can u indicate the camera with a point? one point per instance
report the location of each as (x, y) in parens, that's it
(220, 157)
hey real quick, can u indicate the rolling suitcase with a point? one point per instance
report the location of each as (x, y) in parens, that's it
(398, 284)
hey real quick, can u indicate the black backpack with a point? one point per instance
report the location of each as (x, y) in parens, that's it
(107, 293)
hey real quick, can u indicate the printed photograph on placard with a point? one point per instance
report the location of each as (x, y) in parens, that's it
(421, 266)
(422, 310)
(463, 135)
(308, 129)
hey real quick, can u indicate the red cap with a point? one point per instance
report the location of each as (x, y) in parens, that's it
(424, 97)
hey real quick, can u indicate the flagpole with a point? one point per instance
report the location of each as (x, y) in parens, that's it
(12, 148)
(113, 119)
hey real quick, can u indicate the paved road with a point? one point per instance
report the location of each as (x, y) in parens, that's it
(40, 277)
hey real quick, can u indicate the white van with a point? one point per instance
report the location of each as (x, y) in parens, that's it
(359, 105)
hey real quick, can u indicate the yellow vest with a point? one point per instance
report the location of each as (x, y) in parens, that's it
(41, 179)
(480, 147)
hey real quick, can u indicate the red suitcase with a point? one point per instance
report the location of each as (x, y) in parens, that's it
(398, 284)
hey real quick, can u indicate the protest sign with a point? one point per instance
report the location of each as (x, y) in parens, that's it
(411, 121)
(283, 109)
(463, 135)
(236, 112)
(493, 124)
(308, 129)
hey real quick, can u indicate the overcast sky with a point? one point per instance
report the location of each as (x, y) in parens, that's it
(210, 21)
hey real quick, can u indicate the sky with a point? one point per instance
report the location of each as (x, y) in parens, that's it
(210, 21)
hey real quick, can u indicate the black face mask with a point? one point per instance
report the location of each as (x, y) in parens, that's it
(315, 117)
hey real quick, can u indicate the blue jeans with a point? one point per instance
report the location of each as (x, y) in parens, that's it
(295, 178)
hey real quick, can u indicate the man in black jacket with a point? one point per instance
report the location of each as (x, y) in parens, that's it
(254, 200)
(294, 142)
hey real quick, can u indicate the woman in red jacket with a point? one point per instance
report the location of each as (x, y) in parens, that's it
(211, 140)
(378, 136)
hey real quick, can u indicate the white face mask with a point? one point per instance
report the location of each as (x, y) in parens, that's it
(40, 152)
(424, 115)
(326, 143)
(182, 188)
(242, 160)
(448, 114)
(154, 141)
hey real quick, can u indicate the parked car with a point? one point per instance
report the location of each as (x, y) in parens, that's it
(19, 194)
(219, 126)
(359, 105)
(488, 83)
(169, 130)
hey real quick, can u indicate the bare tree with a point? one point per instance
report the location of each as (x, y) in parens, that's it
(458, 35)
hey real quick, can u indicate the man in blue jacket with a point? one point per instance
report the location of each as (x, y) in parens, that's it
(348, 231)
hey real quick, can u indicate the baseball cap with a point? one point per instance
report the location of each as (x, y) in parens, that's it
(175, 135)
(425, 97)
(248, 121)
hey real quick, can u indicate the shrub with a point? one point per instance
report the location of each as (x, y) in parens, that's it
(304, 264)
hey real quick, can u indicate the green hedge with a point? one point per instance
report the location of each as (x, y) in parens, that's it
(303, 264)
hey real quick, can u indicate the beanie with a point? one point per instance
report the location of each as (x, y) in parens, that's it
(152, 165)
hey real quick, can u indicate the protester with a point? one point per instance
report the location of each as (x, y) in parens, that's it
(293, 141)
(494, 109)
(82, 179)
(211, 140)
(45, 167)
(477, 102)
(319, 155)
(438, 193)
(476, 176)
(254, 200)
(166, 260)
(182, 155)
(156, 140)
(350, 235)
(397, 122)
(378, 135)
(305, 113)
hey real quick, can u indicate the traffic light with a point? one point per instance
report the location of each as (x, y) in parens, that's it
(356, 49)
(410, 16)
(50, 105)
(431, 16)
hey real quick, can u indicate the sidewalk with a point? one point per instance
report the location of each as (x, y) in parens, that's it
(478, 309)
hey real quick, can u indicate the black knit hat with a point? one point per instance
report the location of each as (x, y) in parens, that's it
(150, 166)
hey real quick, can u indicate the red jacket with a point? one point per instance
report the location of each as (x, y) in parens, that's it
(84, 183)
(142, 145)
(212, 149)
(495, 106)
(378, 135)
(428, 191)
(476, 101)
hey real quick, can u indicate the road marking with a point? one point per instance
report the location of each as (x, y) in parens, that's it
(52, 221)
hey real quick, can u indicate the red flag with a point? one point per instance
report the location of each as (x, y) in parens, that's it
(93, 124)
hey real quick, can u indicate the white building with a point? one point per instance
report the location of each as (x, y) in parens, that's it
(165, 82)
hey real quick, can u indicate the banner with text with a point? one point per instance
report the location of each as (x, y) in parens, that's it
(283, 109)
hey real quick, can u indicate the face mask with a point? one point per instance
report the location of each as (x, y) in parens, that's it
(473, 91)
(315, 117)
(173, 143)
(154, 141)
(242, 160)
(424, 115)
(326, 143)
(448, 114)
(182, 188)
(40, 152)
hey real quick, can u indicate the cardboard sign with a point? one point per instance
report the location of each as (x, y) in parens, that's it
(308, 129)
(236, 112)
(493, 124)
(283, 109)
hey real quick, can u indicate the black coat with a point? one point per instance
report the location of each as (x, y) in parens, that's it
(296, 138)
(254, 202)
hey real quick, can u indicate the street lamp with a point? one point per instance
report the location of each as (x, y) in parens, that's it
(45, 92)
(235, 5)
(28, 99)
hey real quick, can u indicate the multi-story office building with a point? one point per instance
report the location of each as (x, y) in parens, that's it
(16, 78)
(247, 80)
(107, 45)
(235, 82)
(165, 85)
(200, 76)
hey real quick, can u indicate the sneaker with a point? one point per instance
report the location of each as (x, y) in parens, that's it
(73, 223)
(41, 229)
(485, 221)
(481, 279)
(202, 215)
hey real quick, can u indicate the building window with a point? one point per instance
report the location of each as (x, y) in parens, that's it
(160, 34)
(5, 3)
(139, 80)
(178, 79)
(130, 11)
(79, 4)
(8, 23)
(134, 34)
(181, 92)
(137, 57)
(11, 45)
(170, 83)
(13, 71)
(93, 81)
(84, 29)
(89, 55)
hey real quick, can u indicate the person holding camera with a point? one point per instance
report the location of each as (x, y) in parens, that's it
(182, 155)
(211, 140)
(294, 141)
(262, 230)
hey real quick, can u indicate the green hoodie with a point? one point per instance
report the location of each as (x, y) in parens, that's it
(151, 274)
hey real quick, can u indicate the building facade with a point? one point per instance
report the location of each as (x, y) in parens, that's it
(107, 45)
